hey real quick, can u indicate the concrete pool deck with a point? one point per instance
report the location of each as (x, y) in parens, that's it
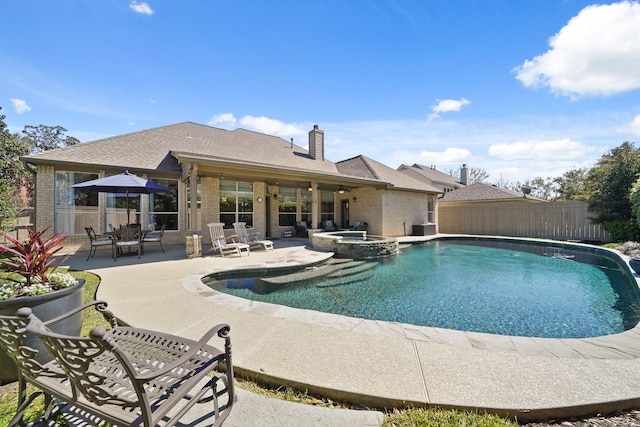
(377, 364)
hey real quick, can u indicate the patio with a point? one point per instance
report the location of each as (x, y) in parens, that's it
(373, 363)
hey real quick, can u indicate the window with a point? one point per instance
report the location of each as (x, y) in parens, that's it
(287, 205)
(430, 210)
(236, 203)
(327, 206)
(163, 207)
(74, 209)
(122, 209)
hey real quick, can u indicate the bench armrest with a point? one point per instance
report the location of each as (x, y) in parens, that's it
(100, 306)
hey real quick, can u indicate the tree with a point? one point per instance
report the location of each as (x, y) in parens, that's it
(572, 185)
(45, 138)
(475, 175)
(12, 173)
(609, 185)
(540, 188)
(7, 212)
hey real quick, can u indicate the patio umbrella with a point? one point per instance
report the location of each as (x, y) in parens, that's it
(124, 184)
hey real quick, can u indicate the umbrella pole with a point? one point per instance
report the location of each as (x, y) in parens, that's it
(126, 193)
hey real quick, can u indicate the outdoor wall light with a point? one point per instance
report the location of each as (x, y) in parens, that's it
(354, 199)
(310, 187)
(341, 190)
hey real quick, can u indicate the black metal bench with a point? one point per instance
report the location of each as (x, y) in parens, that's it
(123, 375)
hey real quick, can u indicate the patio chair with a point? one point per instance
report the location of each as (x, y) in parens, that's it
(98, 240)
(328, 225)
(219, 241)
(45, 374)
(134, 377)
(154, 237)
(301, 229)
(251, 238)
(360, 226)
(127, 236)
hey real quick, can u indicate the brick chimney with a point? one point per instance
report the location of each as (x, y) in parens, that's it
(316, 143)
(464, 174)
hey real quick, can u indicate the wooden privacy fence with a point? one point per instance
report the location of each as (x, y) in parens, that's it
(554, 220)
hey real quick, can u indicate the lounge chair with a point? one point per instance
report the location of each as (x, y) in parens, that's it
(154, 237)
(251, 239)
(219, 241)
(98, 240)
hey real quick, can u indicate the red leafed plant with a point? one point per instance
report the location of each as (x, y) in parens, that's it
(34, 258)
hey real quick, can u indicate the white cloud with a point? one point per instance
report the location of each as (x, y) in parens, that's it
(596, 54)
(450, 156)
(563, 149)
(272, 126)
(633, 128)
(19, 106)
(260, 124)
(142, 7)
(448, 105)
(226, 120)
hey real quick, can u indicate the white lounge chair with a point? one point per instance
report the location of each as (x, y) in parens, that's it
(251, 238)
(219, 241)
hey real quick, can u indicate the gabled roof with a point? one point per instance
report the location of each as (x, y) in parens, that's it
(364, 167)
(433, 174)
(484, 192)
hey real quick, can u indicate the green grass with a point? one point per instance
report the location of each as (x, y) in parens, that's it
(432, 417)
(397, 418)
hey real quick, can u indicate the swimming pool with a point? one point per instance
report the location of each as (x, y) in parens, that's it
(507, 287)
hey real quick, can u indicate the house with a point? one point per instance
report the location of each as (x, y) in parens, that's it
(226, 176)
(440, 180)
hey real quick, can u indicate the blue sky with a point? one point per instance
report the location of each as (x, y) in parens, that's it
(517, 88)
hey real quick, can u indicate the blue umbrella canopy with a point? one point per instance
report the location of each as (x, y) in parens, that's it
(124, 184)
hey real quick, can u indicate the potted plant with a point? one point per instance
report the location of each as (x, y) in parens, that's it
(33, 281)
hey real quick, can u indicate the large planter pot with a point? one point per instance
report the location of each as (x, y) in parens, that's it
(46, 307)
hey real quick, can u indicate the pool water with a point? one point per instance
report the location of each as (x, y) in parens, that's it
(463, 286)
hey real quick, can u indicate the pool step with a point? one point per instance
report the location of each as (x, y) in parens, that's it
(313, 272)
(346, 280)
(348, 270)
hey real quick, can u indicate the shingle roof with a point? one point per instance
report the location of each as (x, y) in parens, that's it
(151, 149)
(434, 175)
(156, 150)
(483, 192)
(364, 167)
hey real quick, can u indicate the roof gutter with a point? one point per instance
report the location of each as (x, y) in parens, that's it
(303, 173)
